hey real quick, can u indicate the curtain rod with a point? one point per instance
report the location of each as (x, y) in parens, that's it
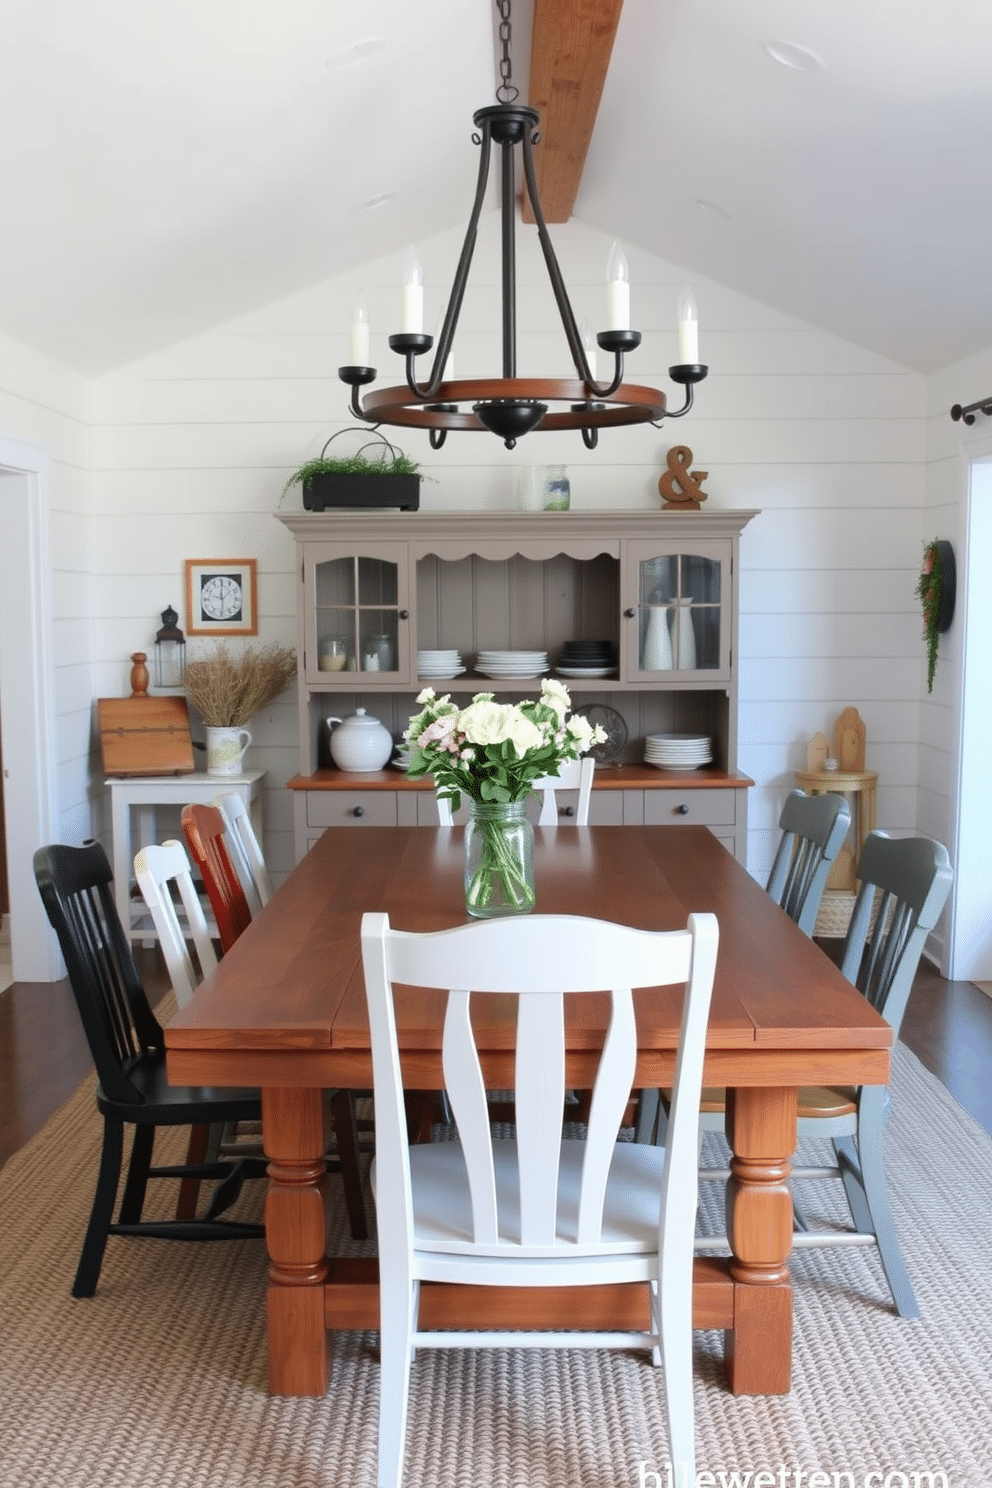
(984, 405)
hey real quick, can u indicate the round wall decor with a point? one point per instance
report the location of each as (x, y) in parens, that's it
(948, 585)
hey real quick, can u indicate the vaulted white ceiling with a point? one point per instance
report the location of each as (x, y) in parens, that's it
(166, 166)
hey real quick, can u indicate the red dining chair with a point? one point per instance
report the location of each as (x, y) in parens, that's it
(204, 828)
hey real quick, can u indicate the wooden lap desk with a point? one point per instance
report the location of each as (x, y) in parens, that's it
(285, 1011)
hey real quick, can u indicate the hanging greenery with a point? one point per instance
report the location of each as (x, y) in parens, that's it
(928, 593)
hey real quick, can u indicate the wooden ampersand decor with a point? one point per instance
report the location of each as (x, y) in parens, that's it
(689, 482)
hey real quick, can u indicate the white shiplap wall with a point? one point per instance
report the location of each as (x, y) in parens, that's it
(191, 449)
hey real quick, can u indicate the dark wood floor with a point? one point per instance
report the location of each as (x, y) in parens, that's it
(43, 1056)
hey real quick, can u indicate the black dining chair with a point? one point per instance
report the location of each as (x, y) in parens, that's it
(128, 1049)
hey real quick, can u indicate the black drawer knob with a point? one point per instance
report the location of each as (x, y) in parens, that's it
(630, 614)
(682, 810)
(569, 811)
(359, 811)
(404, 614)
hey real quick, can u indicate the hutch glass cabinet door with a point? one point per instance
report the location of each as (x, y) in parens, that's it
(677, 612)
(357, 616)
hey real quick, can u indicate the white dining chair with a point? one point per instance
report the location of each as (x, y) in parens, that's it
(538, 1209)
(575, 775)
(158, 867)
(245, 850)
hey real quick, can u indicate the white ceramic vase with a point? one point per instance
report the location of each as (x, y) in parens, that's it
(657, 654)
(685, 635)
(226, 749)
(530, 488)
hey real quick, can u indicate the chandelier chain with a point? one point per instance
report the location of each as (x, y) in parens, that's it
(506, 92)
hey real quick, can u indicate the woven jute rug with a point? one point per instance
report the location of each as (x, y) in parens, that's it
(160, 1380)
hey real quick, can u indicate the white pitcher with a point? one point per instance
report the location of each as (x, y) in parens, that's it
(226, 749)
(657, 653)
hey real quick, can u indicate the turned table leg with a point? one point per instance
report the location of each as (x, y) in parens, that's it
(761, 1130)
(295, 1132)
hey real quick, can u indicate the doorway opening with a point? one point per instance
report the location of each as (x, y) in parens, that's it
(27, 715)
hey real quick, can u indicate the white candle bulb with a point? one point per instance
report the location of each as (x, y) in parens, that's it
(688, 322)
(589, 347)
(359, 340)
(617, 290)
(413, 295)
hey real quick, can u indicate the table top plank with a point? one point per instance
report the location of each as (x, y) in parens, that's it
(294, 981)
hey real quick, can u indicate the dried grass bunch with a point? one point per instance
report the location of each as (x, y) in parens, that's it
(227, 690)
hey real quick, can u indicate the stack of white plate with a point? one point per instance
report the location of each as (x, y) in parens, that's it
(678, 751)
(401, 757)
(437, 665)
(507, 665)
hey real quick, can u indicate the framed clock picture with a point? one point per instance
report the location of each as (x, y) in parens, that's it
(221, 596)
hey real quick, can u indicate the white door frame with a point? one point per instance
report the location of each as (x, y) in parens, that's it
(27, 714)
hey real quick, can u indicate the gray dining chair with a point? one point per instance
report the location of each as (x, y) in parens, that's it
(813, 831)
(905, 882)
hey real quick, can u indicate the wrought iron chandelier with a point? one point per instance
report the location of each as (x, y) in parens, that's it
(511, 406)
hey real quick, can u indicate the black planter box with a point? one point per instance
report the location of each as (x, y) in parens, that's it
(323, 491)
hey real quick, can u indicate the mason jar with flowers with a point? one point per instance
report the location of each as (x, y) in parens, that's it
(492, 753)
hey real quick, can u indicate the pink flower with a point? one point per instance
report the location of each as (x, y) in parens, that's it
(439, 732)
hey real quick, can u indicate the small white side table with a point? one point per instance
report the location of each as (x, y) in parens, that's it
(142, 794)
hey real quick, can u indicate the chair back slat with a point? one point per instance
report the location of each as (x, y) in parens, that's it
(542, 961)
(203, 828)
(610, 1095)
(813, 831)
(245, 850)
(75, 884)
(539, 1094)
(467, 1096)
(905, 882)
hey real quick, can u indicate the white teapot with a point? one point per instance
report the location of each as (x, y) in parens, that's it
(360, 742)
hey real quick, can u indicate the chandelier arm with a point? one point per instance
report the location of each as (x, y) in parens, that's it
(356, 406)
(460, 280)
(678, 412)
(577, 350)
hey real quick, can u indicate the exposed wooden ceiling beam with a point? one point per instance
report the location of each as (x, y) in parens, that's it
(570, 53)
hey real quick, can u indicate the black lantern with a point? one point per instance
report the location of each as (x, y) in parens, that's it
(170, 651)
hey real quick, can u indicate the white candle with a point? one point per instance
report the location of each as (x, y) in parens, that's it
(359, 340)
(413, 295)
(617, 290)
(688, 323)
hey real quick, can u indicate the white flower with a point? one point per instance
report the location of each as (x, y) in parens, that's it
(484, 721)
(555, 695)
(580, 729)
(524, 734)
(426, 696)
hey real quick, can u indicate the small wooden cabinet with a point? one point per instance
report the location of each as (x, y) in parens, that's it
(661, 586)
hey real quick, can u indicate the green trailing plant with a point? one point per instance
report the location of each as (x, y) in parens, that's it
(928, 593)
(350, 465)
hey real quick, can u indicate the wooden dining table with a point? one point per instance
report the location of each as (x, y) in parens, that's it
(285, 1011)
